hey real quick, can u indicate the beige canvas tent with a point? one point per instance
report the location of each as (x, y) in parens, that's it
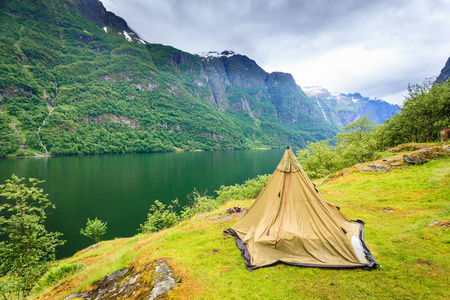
(291, 223)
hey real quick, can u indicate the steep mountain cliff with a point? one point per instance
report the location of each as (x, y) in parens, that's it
(74, 78)
(445, 73)
(342, 109)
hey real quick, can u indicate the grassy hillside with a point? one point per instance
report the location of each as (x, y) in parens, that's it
(407, 215)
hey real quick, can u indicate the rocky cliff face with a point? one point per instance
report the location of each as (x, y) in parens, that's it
(96, 12)
(445, 73)
(342, 109)
(236, 83)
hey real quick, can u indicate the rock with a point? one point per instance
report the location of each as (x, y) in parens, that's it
(446, 148)
(132, 281)
(164, 282)
(414, 160)
(234, 209)
(424, 155)
(442, 223)
(95, 246)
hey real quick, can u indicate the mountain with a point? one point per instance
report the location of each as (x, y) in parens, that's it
(342, 109)
(445, 73)
(75, 79)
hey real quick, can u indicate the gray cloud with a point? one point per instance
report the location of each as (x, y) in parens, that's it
(373, 47)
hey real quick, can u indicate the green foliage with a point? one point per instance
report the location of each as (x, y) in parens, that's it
(114, 96)
(319, 159)
(250, 189)
(95, 229)
(201, 203)
(425, 112)
(26, 247)
(356, 145)
(163, 216)
(160, 217)
(9, 141)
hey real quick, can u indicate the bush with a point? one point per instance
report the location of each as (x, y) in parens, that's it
(358, 144)
(160, 218)
(250, 189)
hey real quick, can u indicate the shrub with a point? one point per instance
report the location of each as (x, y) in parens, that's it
(250, 189)
(159, 217)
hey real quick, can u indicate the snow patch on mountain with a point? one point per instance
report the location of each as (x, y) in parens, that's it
(215, 54)
(127, 36)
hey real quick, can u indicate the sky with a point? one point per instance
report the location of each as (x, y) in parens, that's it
(374, 47)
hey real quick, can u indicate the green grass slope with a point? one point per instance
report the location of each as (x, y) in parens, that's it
(406, 212)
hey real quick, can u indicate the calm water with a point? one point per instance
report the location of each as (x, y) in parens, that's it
(119, 189)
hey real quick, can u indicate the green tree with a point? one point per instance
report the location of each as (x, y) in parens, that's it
(425, 112)
(95, 229)
(357, 144)
(26, 248)
(319, 159)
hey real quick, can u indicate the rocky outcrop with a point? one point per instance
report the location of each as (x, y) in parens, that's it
(426, 153)
(445, 73)
(151, 281)
(96, 12)
(112, 117)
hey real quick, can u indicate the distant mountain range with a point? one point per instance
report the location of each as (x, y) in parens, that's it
(342, 109)
(75, 79)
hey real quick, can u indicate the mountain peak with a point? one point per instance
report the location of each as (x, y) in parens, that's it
(445, 73)
(96, 12)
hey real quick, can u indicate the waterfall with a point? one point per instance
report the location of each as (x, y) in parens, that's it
(324, 115)
(43, 122)
(22, 145)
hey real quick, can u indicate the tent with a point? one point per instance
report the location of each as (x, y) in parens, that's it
(291, 223)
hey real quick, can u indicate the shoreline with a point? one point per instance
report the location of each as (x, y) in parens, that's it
(112, 153)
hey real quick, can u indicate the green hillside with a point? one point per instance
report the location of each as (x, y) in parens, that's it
(74, 79)
(407, 217)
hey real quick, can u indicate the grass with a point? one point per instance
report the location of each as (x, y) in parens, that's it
(397, 208)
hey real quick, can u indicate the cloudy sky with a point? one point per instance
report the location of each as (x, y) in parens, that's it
(373, 47)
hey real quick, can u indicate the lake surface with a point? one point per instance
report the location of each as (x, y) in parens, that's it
(119, 189)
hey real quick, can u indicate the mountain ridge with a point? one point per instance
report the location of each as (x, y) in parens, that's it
(342, 108)
(77, 80)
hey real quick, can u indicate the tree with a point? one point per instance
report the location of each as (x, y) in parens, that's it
(319, 159)
(425, 112)
(95, 229)
(26, 247)
(357, 144)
